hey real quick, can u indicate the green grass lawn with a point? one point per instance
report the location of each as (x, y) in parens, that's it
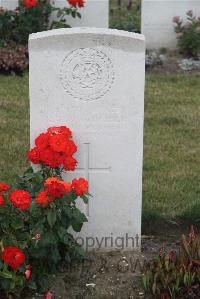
(171, 183)
(14, 126)
(171, 180)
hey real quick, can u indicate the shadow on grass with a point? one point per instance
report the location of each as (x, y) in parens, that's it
(192, 216)
(154, 223)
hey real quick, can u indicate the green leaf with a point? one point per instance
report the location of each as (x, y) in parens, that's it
(17, 223)
(78, 219)
(73, 195)
(78, 216)
(12, 285)
(85, 198)
(65, 220)
(61, 232)
(88, 194)
(47, 239)
(6, 274)
(73, 13)
(55, 255)
(37, 229)
(67, 239)
(29, 170)
(1, 264)
(51, 217)
(32, 285)
(76, 226)
(80, 251)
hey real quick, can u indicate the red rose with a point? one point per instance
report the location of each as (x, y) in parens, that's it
(71, 148)
(52, 148)
(42, 141)
(51, 181)
(80, 186)
(76, 3)
(21, 199)
(30, 3)
(70, 163)
(81, 3)
(46, 155)
(58, 143)
(73, 2)
(67, 185)
(2, 202)
(51, 158)
(44, 197)
(66, 132)
(4, 187)
(56, 189)
(34, 155)
(13, 256)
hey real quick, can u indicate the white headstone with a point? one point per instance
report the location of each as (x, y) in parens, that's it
(9, 4)
(156, 22)
(92, 80)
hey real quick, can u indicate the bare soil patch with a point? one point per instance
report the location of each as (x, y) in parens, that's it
(107, 275)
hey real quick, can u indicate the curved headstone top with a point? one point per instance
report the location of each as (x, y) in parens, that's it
(87, 31)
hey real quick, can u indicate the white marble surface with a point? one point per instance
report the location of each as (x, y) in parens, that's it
(9, 4)
(92, 80)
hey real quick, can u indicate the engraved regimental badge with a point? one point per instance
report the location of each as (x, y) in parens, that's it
(87, 74)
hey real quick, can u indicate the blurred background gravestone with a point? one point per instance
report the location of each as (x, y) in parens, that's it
(157, 24)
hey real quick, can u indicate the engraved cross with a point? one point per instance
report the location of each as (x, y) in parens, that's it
(87, 169)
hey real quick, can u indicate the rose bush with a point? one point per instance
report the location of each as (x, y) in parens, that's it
(13, 58)
(34, 16)
(29, 16)
(36, 214)
(188, 35)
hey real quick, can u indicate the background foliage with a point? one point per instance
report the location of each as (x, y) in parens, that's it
(125, 15)
(16, 25)
(173, 275)
(188, 35)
